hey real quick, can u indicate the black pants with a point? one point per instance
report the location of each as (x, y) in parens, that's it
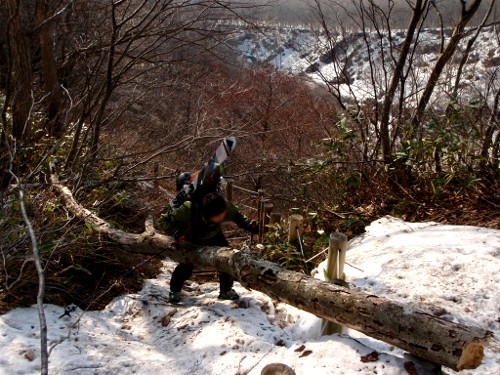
(184, 270)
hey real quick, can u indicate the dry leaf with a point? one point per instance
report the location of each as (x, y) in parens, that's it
(300, 348)
(306, 353)
(370, 357)
(166, 320)
(410, 368)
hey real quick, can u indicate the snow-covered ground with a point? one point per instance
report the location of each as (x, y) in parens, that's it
(453, 268)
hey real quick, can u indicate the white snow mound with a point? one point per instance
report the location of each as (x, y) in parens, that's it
(425, 264)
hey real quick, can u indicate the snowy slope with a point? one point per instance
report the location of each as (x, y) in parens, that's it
(306, 52)
(449, 271)
(454, 267)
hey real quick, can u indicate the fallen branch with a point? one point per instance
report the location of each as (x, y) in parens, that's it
(450, 344)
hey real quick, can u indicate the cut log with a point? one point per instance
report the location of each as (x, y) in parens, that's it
(454, 345)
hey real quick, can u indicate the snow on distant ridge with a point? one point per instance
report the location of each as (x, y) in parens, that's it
(423, 264)
(308, 53)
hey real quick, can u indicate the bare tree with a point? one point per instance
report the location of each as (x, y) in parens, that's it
(418, 11)
(491, 125)
(20, 67)
(457, 35)
(49, 68)
(21, 185)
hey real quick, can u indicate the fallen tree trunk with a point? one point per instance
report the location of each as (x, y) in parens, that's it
(453, 345)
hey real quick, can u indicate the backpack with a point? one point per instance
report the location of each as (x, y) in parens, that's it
(194, 186)
(183, 182)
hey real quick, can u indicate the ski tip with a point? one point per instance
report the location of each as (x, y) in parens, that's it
(231, 142)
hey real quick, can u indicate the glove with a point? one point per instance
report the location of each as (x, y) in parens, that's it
(253, 227)
(179, 236)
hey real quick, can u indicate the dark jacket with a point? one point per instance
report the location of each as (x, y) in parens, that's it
(189, 220)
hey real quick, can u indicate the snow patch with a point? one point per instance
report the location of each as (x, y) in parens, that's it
(423, 264)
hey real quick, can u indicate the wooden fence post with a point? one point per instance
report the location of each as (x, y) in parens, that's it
(296, 224)
(336, 256)
(335, 270)
(262, 218)
(261, 201)
(342, 253)
(275, 218)
(268, 207)
(258, 202)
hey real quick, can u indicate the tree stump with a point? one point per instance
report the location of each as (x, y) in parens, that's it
(277, 369)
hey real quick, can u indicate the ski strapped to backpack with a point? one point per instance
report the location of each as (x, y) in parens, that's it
(192, 186)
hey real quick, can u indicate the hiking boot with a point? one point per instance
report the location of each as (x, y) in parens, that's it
(229, 295)
(174, 297)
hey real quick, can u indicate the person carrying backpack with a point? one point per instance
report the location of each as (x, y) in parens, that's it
(200, 222)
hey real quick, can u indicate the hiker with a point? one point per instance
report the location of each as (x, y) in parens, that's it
(200, 223)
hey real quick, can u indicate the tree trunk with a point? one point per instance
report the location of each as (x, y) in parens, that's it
(385, 137)
(108, 86)
(454, 345)
(495, 152)
(49, 70)
(20, 61)
(468, 49)
(488, 134)
(458, 34)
